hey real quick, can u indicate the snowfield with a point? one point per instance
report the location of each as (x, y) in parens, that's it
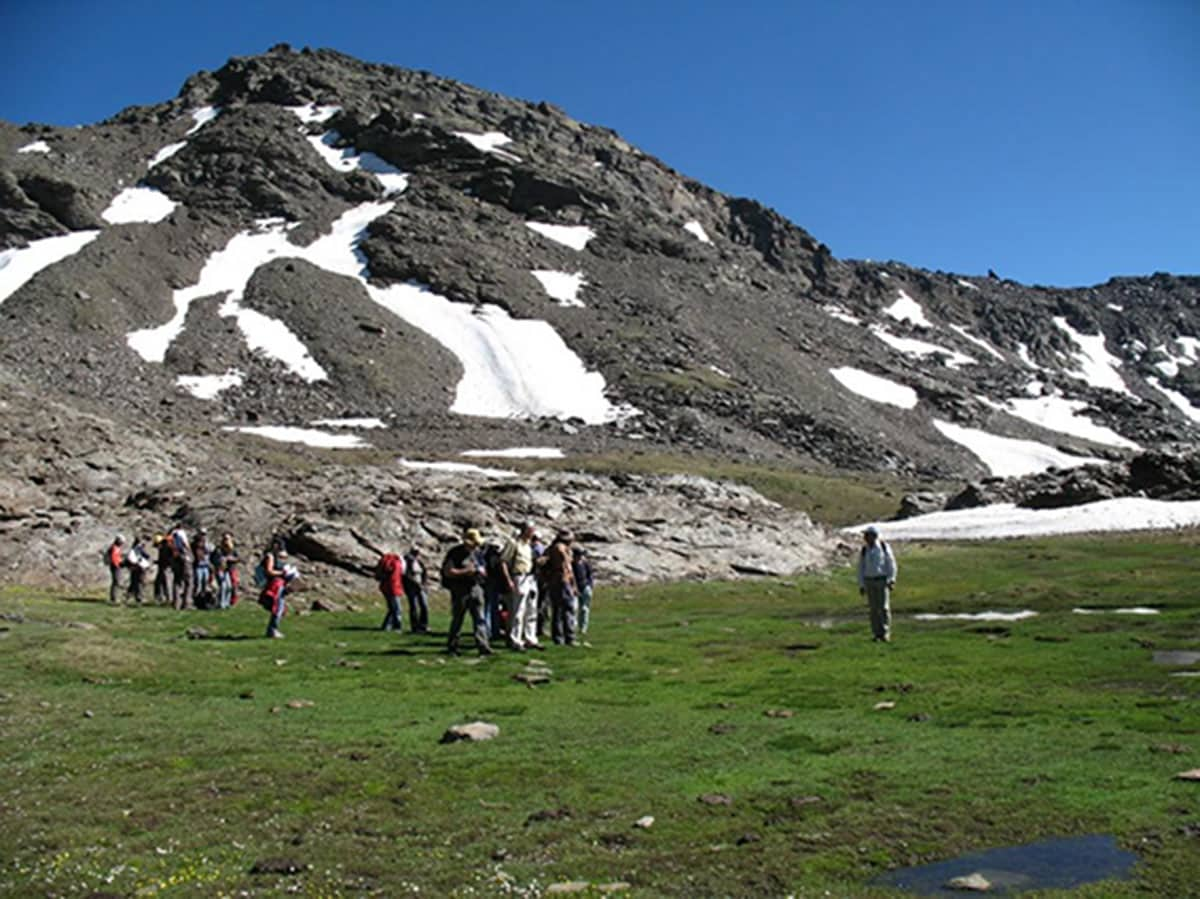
(18, 266)
(208, 387)
(697, 231)
(512, 368)
(307, 436)
(1097, 365)
(906, 309)
(138, 204)
(875, 388)
(1009, 457)
(1007, 520)
(562, 286)
(574, 236)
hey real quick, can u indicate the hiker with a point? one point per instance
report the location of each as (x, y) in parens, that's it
(876, 578)
(181, 567)
(162, 578)
(462, 574)
(542, 608)
(276, 574)
(560, 583)
(201, 571)
(494, 587)
(520, 586)
(138, 562)
(389, 572)
(114, 557)
(413, 581)
(581, 567)
(224, 562)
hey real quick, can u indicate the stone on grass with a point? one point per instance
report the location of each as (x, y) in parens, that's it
(645, 822)
(779, 713)
(567, 886)
(475, 732)
(617, 886)
(884, 706)
(198, 633)
(300, 703)
(715, 799)
(972, 883)
(1194, 774)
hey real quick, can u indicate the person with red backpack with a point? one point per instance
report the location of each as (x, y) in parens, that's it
(389, 572)
(275, 574)
(114, 557)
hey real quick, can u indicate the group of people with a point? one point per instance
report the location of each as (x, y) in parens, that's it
(515, 590)
(191, 570)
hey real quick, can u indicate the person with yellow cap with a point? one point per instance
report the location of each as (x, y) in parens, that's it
(463, 573)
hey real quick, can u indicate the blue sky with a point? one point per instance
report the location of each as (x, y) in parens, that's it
(1057, 142)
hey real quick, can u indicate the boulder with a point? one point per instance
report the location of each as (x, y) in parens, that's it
(475, 732)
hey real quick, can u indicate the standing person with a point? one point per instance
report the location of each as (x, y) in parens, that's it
(560, 582)
(224, 566)
(114, 558)
(462, 574)
(876, 578)
(494, 586)
(521, 594)
(232, 561)
(389, 572)
(181, 567)
(277, 574)
(414, 580)
(162, 578)
(542, 608)
(201, 571)
(138, 563)
(581, 567)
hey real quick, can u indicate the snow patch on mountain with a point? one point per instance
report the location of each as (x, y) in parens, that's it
(347, 159)
(18, 266)
(906, 309)
(1056, 413)
(166, 153)
(202, 117)
(920, 348)
(835, 311)
(574, 236)
(1096, 364)
(1189, 352)
(1009, 457)
(695, 229)
(37, 146)
(208, 387)
(307, 436)
(967, 284)
(489, 142)
(517, 452)
(363, 423)
(138, 204)
(561, 286)
(875, 388)
(311, 113)
(977, 341)
(1008, 520)
(1181, 402)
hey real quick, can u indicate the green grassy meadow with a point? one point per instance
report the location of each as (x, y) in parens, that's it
(137, 762)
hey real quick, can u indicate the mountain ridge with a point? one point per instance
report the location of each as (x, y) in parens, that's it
(315, 238)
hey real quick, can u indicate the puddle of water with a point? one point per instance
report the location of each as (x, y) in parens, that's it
(1051, 864)
(1178, 658)
(976, 616)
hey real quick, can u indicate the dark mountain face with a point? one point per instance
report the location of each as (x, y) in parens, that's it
(301, 236)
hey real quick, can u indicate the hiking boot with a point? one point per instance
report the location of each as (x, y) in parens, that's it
(275, 635)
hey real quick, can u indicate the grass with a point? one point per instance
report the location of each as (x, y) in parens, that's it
(139, 762)
(833, 498)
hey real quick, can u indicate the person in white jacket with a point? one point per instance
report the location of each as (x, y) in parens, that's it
(876, 578)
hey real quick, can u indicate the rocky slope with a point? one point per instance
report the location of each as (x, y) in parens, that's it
(336, 239)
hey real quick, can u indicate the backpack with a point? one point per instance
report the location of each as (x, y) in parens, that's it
(491, 563)
(260, 575)
(385, 569)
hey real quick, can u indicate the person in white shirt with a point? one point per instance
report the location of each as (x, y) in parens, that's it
(876, 578)
(521, 593)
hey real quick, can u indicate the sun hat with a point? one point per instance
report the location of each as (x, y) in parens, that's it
(473, 537)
